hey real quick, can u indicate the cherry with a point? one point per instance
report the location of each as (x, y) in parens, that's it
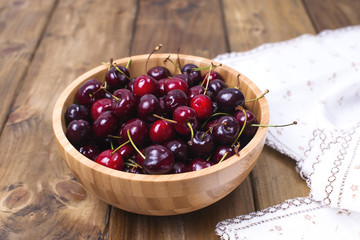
(214, 88)
(176, 83)
(138, 130)
(110, 159)
(186, 78)
(138, 158)
(198, 164)
(195, 75)
(196, 90)
(226, 131)
(249, 130)
(90, 151)
(126, 151)
(147, 107)
(211, 76)
(105, 124)
(230, 98)
(145, 84)
(99, 106)
(161, 131)
(159, 72)
(180, 167)
(202, 104)
(179, 148)
(90, 91)
(158, 160)
(76, 112)
(185, 116)
(202, 144)
(123, 103)
(78, 132)
(174, 99)
(220, 152)
(117, 79)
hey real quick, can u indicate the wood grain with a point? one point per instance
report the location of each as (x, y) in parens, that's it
(18, 44)
(40, 199)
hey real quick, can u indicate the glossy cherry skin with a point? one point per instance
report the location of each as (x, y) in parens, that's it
(116, 79)
(226, 130)
(201, 145)
(180, 167)
(180, 149)
(184, 115)
(111, 159)
(196, 90)
(76, 112)
(159, 72)
(199, 163)
(90, 151)
(213, 75)
(99, 106)
(186, 78)
(147, 107)
(78, 132)
(195, 76)
(221, 151)
(105, 124)
(214, 87)
(159, 160)
(126, 151)
(125, 105)
(144, 84)
(162, 87)
(230, 98)
(249, 130)
(161, 131)
(89, 92)
(138, 130)
(176, 83)
(202, 104)
(174, 99)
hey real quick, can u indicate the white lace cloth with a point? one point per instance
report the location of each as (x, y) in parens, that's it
(314, 80)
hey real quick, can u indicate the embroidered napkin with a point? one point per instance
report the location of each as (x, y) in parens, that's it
(314, 80)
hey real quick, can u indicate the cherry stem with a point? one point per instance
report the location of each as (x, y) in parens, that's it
(118, 69)
(261, 96)
(134, 164)
(111, 146)
(176, 66)
(157, 48)
(205, 68)
(211, 128)
(236, 149)
(207, 79)
(133, 144)
(215, 114)
(191, 131)
(120, 146)
(284, 125)
(165, 119)
(112, 136)
(128, 63)
(243, 126)
(223, 157)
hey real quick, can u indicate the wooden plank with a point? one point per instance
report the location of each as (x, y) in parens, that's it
(39, 198)
(332, 14)
(197, 28)
(18, 44)
(251, 23)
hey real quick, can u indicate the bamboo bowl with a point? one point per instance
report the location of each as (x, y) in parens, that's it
(168, 194)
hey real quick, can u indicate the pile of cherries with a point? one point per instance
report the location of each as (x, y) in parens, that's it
(159, 123)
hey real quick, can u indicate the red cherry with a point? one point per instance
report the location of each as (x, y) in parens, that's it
(213, 75)
(145, 84)
(90, 91)
(109, 159)
(184, 116)
(199, 163)
(176, 83)
(100, 106)
(138, 130)
(161, 131)
(202, 104)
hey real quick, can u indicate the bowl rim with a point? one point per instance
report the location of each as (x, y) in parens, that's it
(81, 159)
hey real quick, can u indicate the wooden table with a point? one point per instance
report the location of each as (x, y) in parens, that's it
(44, 45)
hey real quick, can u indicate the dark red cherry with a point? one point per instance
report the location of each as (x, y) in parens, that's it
(138, 130)
(202, 104)
(126, 151)
(147, 107)
(174, 99)
(198, 164)
(90, 91)
(145, 84)
(202, 144)
(159, 160)
(230, 98)
(179, 148)
(249, 130)
(161, 131)
(124, 105)
(213, 75)
(76, 112)
(194, 75)
(176, 83)
(226, 130)
(196, 90)
(221, 151)
(184, 116)
(159, 72)
(90, 151)
(105, 124)
(99, 106)
(78, 132)
(111, 159)
(214, 88)
(186, 78)
(116, 79)
(162, 87)
(179, 167)
(138, 158)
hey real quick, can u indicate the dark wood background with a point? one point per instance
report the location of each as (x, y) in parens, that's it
(44, 45)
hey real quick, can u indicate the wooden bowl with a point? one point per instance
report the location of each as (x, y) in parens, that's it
(168, 194)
